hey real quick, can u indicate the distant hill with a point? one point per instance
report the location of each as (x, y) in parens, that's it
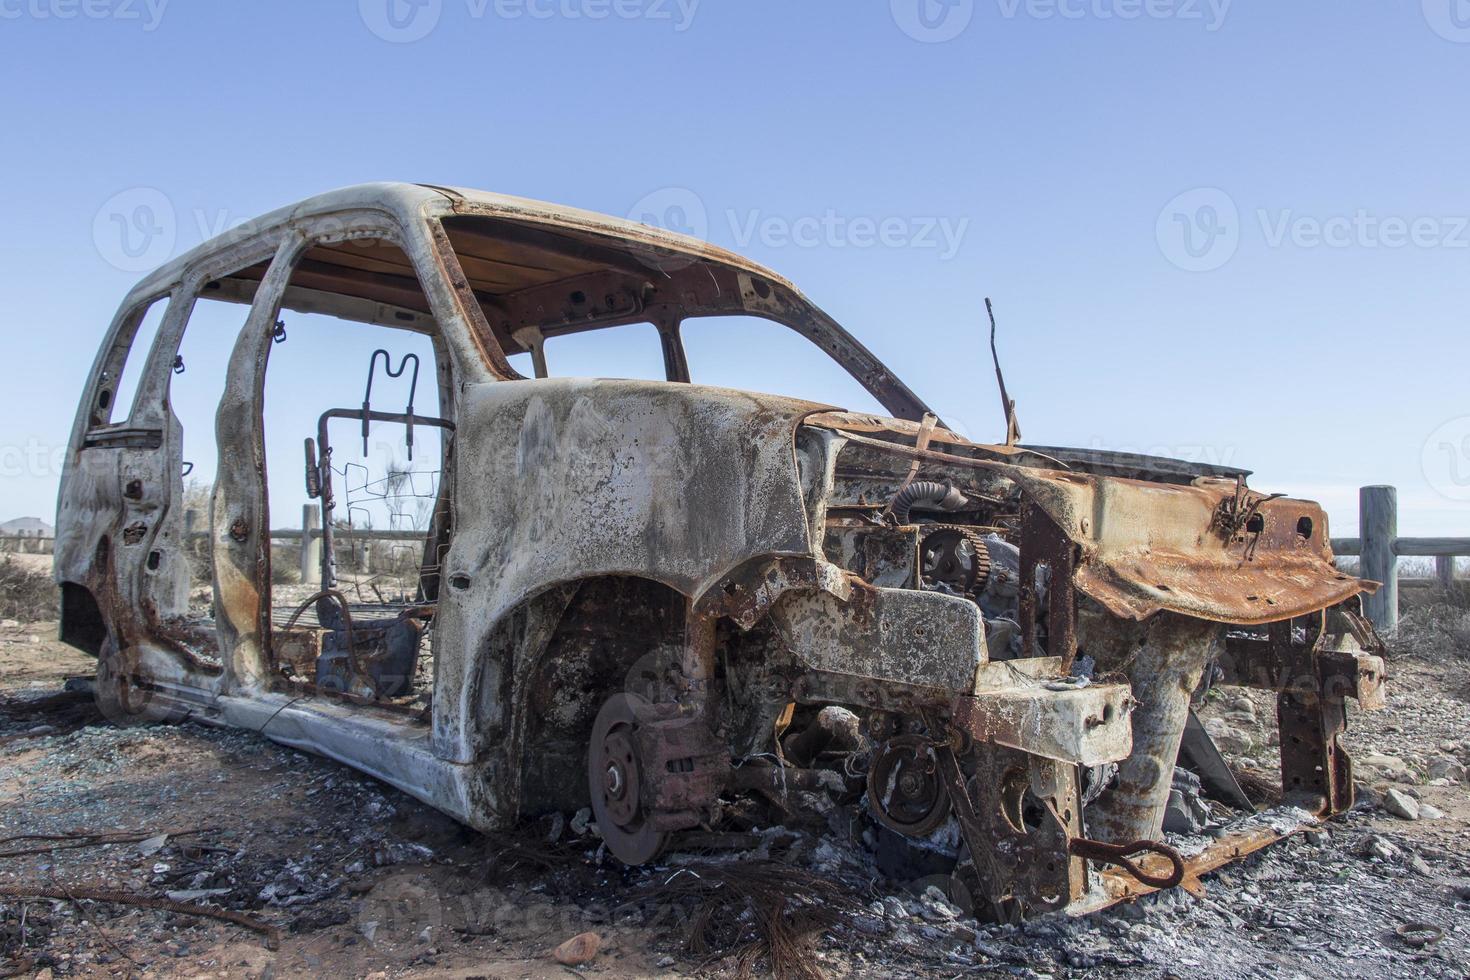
(27, 527)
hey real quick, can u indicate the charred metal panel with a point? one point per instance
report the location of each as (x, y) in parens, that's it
(1040, 711)
(886, 635)
(882, 556)
(565, 479)
(1148, 548)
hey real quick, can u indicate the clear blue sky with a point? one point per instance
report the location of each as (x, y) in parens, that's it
(1300, 311)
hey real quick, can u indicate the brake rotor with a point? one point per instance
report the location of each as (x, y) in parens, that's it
(615, 777)
(955, 557)
(905, 790)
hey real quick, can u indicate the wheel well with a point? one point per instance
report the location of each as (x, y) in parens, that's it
(82, 623)
(617, 634)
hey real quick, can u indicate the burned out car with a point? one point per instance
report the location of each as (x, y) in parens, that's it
(685, 606)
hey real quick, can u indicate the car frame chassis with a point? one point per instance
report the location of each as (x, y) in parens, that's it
(660, 598)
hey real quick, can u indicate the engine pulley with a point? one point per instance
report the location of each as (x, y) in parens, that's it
(905, 791)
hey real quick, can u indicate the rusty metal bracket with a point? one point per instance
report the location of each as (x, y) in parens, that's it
(1045, 545)
(1316, 771)
(1121, 855)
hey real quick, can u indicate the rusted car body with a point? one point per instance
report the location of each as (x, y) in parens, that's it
(660, 598)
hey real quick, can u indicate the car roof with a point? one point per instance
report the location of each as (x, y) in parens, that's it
(410, 201)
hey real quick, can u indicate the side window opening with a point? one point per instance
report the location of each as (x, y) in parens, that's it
(195, 390)
(196, 385)
(119, 386)
(755, 354)
(523, 363)
(630, 351)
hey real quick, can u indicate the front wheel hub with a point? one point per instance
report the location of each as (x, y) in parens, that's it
(615, 777)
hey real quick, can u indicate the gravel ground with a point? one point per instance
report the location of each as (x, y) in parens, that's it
(362, 881)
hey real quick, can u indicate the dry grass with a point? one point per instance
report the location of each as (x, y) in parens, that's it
(1437, 629)
(764, 914)
(26, 593)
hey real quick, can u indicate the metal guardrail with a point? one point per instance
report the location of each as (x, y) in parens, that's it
(1379, 549)
(26, 544)
(309, 536)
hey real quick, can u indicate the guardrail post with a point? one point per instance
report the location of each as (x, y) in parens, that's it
(311, 545)
(1444, 571)
(1378, 522)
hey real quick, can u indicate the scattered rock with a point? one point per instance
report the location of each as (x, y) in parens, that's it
(1186, 812)
(152, 845)
(1401, 805)
(1378, 847)
(937, 906)
(1428, 811)
(1242, 709)
(195, 894)
(1446, 768)
(1229, 739)
(578, 950)
(1389, 766)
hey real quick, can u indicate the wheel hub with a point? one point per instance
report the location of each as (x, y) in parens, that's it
(615, 780)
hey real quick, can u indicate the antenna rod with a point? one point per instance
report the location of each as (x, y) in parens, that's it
(1013, 426)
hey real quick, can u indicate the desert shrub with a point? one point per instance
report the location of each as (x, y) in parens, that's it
(26, 593)
(1437, 630)
(285, 564)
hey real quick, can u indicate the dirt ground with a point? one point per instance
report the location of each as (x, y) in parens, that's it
(361, 881)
